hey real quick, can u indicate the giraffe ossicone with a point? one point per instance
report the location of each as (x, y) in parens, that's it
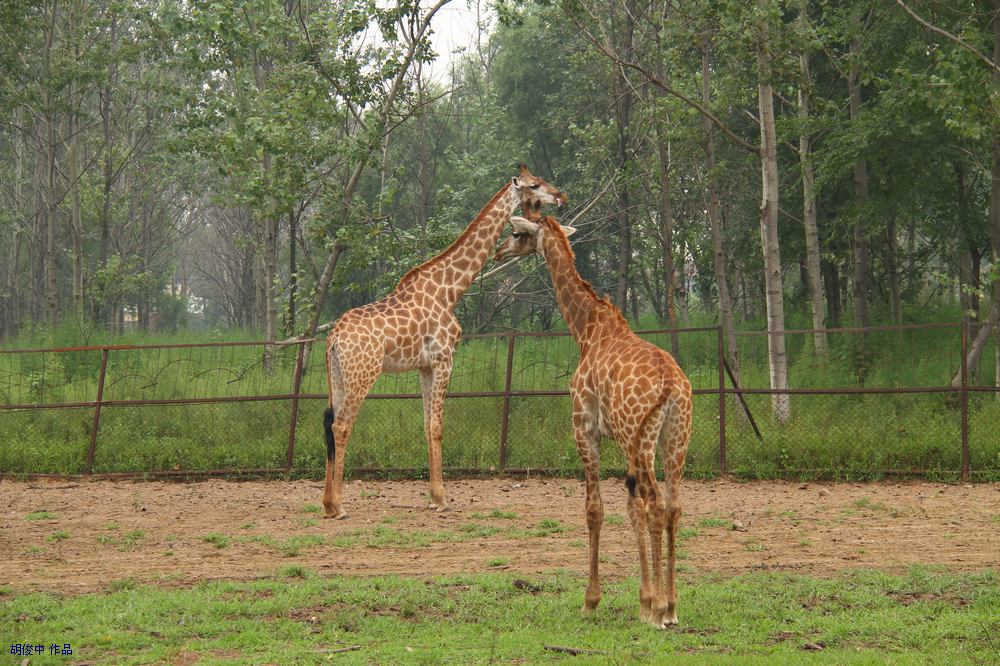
(413, 328)
(632, 391)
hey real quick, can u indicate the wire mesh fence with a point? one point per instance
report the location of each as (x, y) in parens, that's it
(874, 402)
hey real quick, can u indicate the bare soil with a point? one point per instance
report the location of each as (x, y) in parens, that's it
(153, 531)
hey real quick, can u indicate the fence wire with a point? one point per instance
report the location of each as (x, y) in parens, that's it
(879, 401)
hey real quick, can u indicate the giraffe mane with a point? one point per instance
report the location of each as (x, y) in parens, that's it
(412, 273)
(553, 227)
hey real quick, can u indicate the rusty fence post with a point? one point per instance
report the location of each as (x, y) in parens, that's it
(505, 424)
(96, 423)
(296, 386)
(965, 399)
(722, 400)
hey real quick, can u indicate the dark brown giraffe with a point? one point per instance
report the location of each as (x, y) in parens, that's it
(628, 389)
(413, 328)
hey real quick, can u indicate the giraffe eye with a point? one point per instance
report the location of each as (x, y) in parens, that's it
(535, 186)
(518, 234)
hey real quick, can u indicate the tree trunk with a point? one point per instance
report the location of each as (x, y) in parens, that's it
(831, 282)
(293, 273)
(668, 313)
(774, 298)
(809, 200)
(859, 246)
(892, 268)
(51, 199)
(623, 95)
(12, 312)
(715, 219)
(73, 158)
(104, 221)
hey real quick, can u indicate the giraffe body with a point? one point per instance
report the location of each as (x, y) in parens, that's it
(413, 328)
(632, 391)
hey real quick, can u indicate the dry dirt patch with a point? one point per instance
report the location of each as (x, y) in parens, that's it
(81, 537)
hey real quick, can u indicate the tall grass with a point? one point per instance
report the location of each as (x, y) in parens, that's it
(846, 436)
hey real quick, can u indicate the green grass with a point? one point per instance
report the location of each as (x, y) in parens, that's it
(828, 436)
(220, 541)
(41, 515)
(860, 617)
(58, 535)
(714, 522)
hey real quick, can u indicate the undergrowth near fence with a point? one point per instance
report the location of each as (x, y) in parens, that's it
(839, 436)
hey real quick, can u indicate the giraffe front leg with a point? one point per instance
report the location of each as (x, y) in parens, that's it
(588, 441)
(434, 385)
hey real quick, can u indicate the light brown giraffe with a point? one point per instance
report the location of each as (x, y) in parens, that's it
(413, 328)
(628, 389)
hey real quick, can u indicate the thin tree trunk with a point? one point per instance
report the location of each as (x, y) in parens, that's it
(623, 94)
(859, 248)
(774, 297)
(104, 221)
(293, 273)
(75, 222)
(51, 199)
(715, 218)
(37, 241)
(809, 200)
(995, 192)
(892, 268)
(12, 321)
(668, 313)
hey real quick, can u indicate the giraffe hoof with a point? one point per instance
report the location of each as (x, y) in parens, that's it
(444, 508)
(339, 516)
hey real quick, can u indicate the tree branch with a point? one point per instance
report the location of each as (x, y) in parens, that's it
(947, 35)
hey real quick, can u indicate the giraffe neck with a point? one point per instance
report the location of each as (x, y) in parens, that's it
(577, 299)
(449, 274)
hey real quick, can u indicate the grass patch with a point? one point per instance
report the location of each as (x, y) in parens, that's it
(498, 562)
(58, 535)
(614, 519)
(714, 522)
(218, 540)
(550, 526)
(861, 617)
(41, 514)
(312, 508)
(126, 542)
(866, 503)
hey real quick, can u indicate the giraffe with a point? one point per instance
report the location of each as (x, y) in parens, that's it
(625, 388)
(413, 328)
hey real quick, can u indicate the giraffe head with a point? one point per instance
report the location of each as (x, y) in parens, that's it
(527, 237)
(534, 192)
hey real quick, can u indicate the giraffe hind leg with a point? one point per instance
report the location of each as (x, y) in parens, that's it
(331, 442)
(674, 436)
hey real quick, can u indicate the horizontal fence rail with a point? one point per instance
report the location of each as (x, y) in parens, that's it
(895, 400)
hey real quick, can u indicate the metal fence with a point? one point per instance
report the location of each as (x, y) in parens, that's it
(879, 401)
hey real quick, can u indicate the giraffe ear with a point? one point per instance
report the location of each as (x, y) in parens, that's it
(569, 231)
(523, 225)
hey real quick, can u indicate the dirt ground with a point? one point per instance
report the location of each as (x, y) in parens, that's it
(153, 531)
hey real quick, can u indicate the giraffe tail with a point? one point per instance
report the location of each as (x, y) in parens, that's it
(331, 445)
